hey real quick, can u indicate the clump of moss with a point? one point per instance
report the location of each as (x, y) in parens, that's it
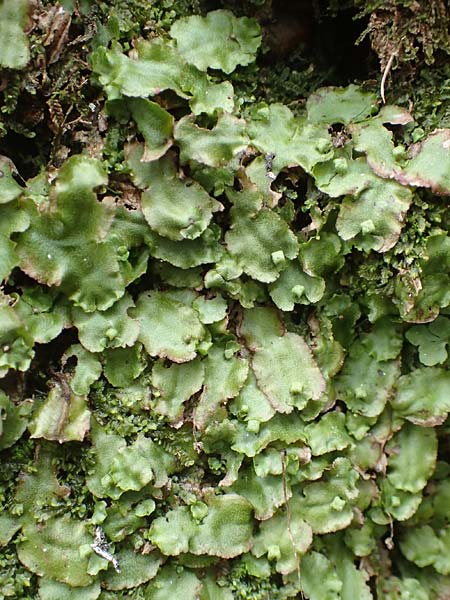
(14, 460)
(71, 467)
(245, 585)
(290, 80)
(15, 580)
(414, 32)
(124, 412)
(431, 110)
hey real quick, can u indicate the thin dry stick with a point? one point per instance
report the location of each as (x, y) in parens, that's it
(288, 516)
(387, 68)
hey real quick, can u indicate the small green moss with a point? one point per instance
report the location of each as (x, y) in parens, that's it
(71, 466)
(124, 412)
(15, 580)
(19, 458)
(246, 586)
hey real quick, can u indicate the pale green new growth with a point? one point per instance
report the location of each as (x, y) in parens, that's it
(14, 49)
(52, 550)
(218, 41)
(157, 314)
